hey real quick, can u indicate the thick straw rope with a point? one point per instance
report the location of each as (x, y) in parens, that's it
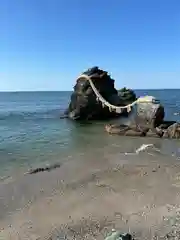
(118, 109)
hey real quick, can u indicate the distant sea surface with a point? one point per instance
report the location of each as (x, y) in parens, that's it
(32, 133)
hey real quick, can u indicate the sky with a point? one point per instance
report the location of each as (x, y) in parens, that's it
(46, 44)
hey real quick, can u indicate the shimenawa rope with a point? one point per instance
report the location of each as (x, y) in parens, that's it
(118, 109)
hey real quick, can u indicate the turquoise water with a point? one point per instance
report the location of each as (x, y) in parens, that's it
(32, 133)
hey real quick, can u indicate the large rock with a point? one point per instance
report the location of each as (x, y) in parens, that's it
(150, 111)
(145, 119)
(84, 104)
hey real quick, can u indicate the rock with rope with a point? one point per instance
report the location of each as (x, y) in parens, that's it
(144, 120)
(147, 121)
(95, 97)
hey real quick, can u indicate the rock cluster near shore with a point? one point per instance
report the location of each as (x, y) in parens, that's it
(84, 104)
(95, 98)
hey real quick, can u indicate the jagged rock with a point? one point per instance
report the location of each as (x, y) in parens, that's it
(152, 113)
(117, 235)
(145, 119)
(146, 113)
(43, 169)
(173, 131)
(85, 106)
(127, 95)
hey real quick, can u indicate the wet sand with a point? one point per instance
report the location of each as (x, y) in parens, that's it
(86, 199)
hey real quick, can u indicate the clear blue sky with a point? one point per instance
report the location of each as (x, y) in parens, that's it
(45, 44)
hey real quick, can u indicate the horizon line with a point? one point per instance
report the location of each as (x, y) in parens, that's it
(134, 89)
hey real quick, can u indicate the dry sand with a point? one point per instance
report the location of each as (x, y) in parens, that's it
(85, 200)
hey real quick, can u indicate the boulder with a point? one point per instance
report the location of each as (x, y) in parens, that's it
(84, 104)
(150, 111)
(127, 95)
(146, 115)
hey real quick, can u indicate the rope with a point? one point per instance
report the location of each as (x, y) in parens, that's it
(118, 109)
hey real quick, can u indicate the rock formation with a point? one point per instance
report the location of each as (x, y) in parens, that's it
(84, 104)
(127, 95)
(148, 120)
(95, 97)
(172, 131)
(43, 169)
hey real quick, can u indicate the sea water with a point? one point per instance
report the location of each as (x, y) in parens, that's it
(32, 133)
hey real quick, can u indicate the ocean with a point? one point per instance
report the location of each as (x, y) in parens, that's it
(32, 133)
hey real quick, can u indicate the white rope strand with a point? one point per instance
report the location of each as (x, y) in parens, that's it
(118, 109)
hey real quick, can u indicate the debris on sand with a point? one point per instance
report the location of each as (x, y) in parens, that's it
(43, 169)
(117, 235)
(143, 147)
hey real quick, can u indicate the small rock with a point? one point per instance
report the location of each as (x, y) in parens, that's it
(116, 235)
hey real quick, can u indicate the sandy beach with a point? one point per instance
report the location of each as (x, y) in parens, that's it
(87, 199)
(69, 71)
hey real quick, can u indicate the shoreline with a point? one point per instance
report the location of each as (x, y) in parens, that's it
(86, 200)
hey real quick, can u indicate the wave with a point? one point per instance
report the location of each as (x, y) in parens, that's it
(30, 115)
